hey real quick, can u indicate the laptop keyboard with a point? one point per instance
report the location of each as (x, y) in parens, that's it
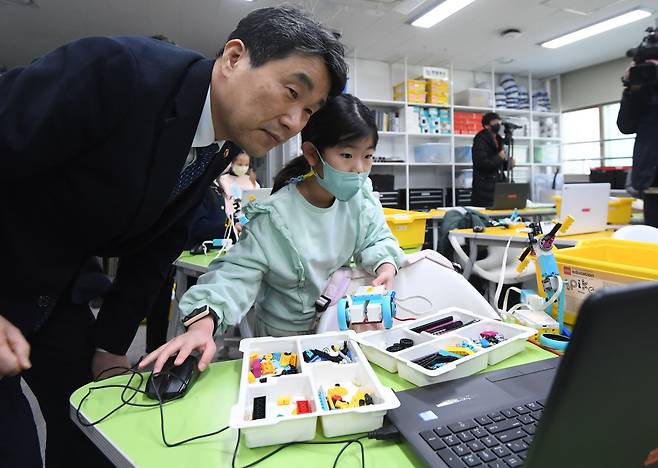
(495, 440)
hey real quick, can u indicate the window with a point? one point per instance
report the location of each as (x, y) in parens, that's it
(592, 139)
(581, 135)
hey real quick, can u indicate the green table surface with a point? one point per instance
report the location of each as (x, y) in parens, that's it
(197, 260)
(206, 408)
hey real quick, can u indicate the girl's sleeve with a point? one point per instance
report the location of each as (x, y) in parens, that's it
(379, 245)
(232, 282)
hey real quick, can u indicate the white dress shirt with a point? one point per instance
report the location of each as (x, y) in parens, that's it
(205, 133)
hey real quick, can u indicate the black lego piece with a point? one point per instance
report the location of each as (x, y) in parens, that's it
(259, 408)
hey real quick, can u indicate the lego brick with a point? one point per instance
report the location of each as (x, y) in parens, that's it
(258, 411)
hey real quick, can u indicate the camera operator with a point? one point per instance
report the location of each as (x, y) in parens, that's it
(638, 114)
(489, 161)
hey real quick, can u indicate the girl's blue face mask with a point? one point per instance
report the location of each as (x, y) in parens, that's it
(342, 185)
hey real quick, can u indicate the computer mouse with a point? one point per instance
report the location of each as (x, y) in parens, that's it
(173, 381)
(478, 228)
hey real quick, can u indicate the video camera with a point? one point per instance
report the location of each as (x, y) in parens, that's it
(509, 128)
(644, 74)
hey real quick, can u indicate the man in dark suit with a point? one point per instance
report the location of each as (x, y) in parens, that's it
(107, 146)
(489, 161)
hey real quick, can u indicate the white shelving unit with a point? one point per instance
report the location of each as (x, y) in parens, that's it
(372, 82)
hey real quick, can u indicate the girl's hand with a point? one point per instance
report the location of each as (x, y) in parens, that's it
(197, 337)
(364, 327)
(385, 275)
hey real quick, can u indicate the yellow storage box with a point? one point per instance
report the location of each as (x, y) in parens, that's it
(601, 263)
(407, 226)
(620, 210)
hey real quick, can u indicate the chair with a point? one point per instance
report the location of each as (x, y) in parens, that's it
(640, 233)
(489, 267)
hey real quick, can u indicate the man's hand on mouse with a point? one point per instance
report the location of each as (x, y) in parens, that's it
(103, 360)
(14, 349)
(197, 337)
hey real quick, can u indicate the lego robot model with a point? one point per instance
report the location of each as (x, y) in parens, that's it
(370, 304)
(540, 250)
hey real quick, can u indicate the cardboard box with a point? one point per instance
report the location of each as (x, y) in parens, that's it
(474, 97)
(436, 73)
(410, 86)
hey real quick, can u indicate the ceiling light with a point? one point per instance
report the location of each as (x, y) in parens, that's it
(597, 28)
(504, 60)
(511, 34)
(440, 12)
(25, 3)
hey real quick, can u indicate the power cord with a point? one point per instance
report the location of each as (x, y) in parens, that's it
(128, 402)
(384, 433)
(400, 300)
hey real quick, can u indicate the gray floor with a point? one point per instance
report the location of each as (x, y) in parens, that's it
(136, 350)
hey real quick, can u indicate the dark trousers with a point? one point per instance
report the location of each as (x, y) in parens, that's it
(651, 209)
(61, 362)
(19, 445)
(157, 320)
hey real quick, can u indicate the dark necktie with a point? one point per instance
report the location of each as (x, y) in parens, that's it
(192, 172)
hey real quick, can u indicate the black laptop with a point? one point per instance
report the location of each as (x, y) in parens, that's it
(596, 407)
(510, 196)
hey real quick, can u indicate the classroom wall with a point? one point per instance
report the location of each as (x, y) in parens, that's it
(591, 86)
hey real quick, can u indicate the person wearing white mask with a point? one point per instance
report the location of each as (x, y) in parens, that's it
(235, 181)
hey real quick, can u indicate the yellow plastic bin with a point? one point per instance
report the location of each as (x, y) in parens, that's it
(407, 226)
(620, 209)
(601, 263)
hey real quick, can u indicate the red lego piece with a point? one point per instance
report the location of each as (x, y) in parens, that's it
(303, 406)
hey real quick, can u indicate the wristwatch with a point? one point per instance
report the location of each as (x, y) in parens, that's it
(198, 314)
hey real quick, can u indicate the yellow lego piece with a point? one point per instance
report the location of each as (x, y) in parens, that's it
(338, 390)
(266, 367)
(566, 224)
(294, 411)
(342, 405)
(459, 350)
(522, 266)
(293, 359)
(251, 377)
(268, 357)
(283, 401)
(360, 395)
(285, 359)
(253, 357)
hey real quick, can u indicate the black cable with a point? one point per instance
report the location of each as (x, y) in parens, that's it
(235, 451)
(128, 402)
(387, 432)
(384, 433)
(311, 442)
(357, 441)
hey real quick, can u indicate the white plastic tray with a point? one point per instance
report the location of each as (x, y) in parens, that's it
(374, 346)
(305, 385)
